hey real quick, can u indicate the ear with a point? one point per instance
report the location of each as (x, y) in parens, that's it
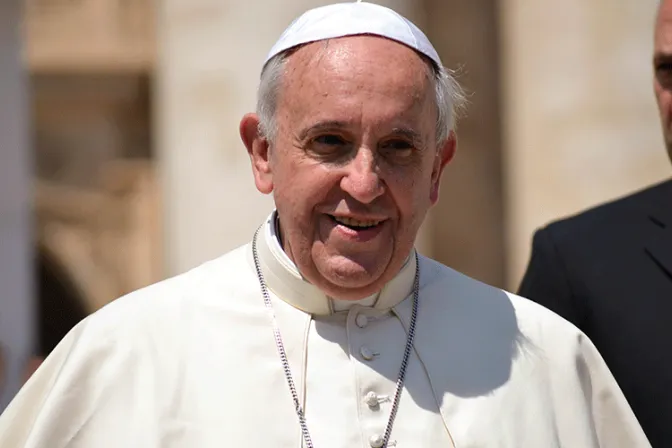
(258, 149)
(443, 157)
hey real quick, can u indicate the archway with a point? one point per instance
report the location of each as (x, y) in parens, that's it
(60, 305)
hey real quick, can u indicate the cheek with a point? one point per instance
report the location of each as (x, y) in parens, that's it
(664, 98)
(301, 188)
(411, 197)
(667, 107)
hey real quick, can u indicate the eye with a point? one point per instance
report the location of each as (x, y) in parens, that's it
(664, 66)
(663, 72)
(329, 140)
(398, 147)
(329, 146)
(399, 144)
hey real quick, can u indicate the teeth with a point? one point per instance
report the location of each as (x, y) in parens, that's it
(354, 222)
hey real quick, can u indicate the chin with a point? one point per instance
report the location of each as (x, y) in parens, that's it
(349, 280)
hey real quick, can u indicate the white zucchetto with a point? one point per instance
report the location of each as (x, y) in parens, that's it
(352, 19)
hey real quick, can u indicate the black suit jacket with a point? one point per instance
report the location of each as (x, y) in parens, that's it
(609, 271)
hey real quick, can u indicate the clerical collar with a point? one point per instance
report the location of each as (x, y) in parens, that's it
(284, 279)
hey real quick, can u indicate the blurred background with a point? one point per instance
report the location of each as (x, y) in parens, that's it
(120, 161)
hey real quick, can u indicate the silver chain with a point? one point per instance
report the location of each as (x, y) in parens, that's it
(285, 362)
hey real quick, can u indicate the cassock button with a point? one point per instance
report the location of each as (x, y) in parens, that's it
(371, 399)
(376, 441)
(361, 320)
(366, 353)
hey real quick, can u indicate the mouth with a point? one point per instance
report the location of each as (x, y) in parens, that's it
(356, 224)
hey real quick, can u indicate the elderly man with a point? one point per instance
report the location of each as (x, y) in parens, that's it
(329, 329)
(608, 270)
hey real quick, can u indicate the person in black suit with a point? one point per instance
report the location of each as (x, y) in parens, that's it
(608, 271)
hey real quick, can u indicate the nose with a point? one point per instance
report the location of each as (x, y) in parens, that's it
(362, 180)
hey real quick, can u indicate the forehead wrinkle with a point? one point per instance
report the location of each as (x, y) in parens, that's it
(352, 58)
(380, 68)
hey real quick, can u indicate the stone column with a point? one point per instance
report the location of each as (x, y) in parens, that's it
(579, 114)
(207, 70)
(466, 229)
(16, 280)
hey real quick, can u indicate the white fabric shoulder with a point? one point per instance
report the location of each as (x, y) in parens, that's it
(86, 392)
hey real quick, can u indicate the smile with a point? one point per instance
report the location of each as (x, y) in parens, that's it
(355, 224)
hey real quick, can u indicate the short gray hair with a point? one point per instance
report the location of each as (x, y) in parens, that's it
(450, 98)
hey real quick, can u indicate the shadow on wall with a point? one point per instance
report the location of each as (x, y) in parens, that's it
(60, 307)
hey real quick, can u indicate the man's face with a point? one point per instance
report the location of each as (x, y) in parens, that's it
(355, 165)
(662, 63)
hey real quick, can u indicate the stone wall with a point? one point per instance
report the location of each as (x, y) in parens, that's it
(467, 226)
(89, 35)
(579, 114)
(16, 279)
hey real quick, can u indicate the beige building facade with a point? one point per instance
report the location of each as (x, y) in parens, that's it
(579, 114)
(132, 111)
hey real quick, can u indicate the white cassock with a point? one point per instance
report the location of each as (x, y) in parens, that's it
(191, 362)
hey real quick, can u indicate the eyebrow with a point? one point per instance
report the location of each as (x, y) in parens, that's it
(410, 134)
(322, 126)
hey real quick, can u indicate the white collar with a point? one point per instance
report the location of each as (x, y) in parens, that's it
(284, 279)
